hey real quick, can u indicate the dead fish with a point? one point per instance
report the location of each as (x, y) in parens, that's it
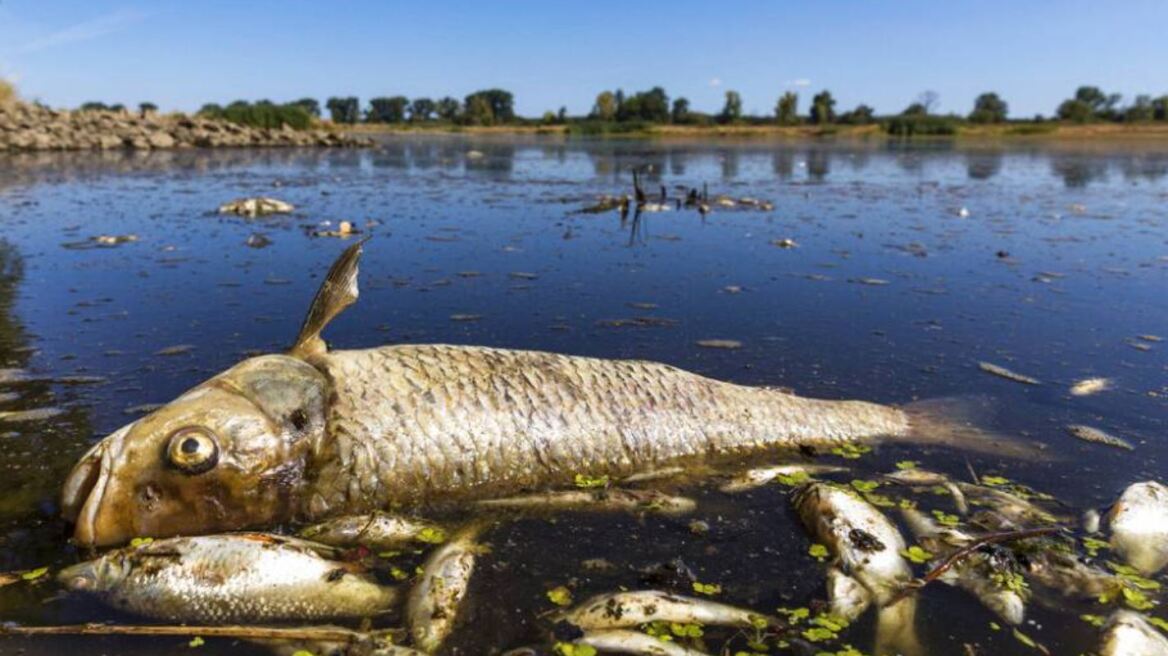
(760, 476)
(225, 579)
(864, 541)
(177, 349)
(1092, 434)
(1129, 634)
(1019, 511)
(635, 643)
(35, 414)
(434, 601)
(994, 581)
(916, 476)
(406, 425)
(1007, 374)
(1065, 574)
(869, 281)
(1089, 386)
(729, 344)
(1139, 526)
(848, 598)
(654, 474)
(629, 609)
(252, 207)
(378, 531)
(784, 243)
(603, 500)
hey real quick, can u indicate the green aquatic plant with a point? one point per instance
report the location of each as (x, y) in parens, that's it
(573, 649)
(196, 641)
(916, 554)
(709, 589)
(946, 519)
(560, 596)
(818, 552)
(851, 451)
(431, 535)
(34, 574)
(907, 464)
(584, 481)
(793, 479)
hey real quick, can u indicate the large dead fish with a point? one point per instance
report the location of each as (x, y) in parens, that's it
(1130, 634)
(1139, 526)
(317, 434)
(227, 579)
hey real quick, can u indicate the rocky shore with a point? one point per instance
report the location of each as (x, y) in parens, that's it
(25, 127)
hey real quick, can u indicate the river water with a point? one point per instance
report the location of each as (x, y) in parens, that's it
(913, 263)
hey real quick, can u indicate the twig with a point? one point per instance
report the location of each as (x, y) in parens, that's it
(972, 474)
(948, 563)
(253, 632)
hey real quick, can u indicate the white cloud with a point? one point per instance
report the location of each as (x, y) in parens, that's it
(83, 31)
(799, 82)
(715, 81)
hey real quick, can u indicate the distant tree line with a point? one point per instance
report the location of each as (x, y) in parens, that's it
(614, 110)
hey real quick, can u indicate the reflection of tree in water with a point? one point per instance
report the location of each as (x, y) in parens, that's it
(497, 160)
(37, 454)
(983, 165)
(783, 163)
(1078, 171)
(1149, 167)
(818, 164)
(729, 160)
(678, 158)
(389, 155)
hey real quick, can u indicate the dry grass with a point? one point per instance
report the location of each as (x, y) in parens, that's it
(7, 92)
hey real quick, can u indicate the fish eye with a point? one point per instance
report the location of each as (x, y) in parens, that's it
(193, 450)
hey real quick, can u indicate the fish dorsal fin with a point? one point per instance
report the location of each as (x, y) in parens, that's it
(337, 292)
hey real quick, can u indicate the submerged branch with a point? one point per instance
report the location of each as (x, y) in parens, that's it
(957, 556)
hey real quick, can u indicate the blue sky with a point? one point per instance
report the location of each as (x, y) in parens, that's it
(182, 54)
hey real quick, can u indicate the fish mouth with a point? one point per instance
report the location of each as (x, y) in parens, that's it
(85, 488)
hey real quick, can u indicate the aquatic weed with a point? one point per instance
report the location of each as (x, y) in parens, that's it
(560, 596)
(916, 554)
(818, 552)
(709, 589)
(585, 481)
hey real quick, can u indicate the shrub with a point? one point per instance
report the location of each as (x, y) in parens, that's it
(920, 124)
(261, 114)
(7, 92)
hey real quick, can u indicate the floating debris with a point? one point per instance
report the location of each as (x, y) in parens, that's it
(177, 349)
(869, 281)
(344, 229)
(729, 344)
(638, 322)
(253, 207)
(1003, 372)
(1091, 434)
(465, 317)
(963, 212)
(784, 243)
(258, 240)
(1151, 338)
(1089, 386)
(35, 414)
(522, 275)
(114, 240)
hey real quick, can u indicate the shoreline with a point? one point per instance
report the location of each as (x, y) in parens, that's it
(1023, 132)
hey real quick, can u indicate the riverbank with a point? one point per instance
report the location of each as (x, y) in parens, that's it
(25, 127)
(1052, 130)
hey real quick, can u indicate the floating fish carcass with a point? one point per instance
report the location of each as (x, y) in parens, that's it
(1139, 526)
(233, 578)
(259, 206)
(1129, 634)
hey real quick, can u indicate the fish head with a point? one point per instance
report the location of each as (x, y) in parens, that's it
(95, 576)
(226, 455)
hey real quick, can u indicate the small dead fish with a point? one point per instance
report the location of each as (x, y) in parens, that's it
(992, 581)
(1089, 386)
(1007, 374)
(1151, 338)
(606, 500)
(378, 531)
(838, 518)
(1091, 434)
(784, 243)
(252, 207)
(848, 598)
(434, 601)
(729, 344)
(1130, 634)
(621, 610)
(653, 474)
(1013, 508)
(760, 476)
(234, 578)
(869, 281)
(1068, 576)
(635, 643)
(915, 476)
(35, 414)
(1139, 526)
(177, 349)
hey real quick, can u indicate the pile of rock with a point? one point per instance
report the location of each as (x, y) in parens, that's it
(32, 127)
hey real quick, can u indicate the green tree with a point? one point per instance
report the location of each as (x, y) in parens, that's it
(94, 106)
(989, 108)
(1160, 108)
(787, 109)
(822, 108)
(448, 108)
(605, 106)
(147, 107)
(500, 102)
(1089, 103)
(619, 99)
(562, 115)
(732, 109)
(915, 109)
(680, 111)
(861, 115)
(548, 118)
(344, 110)
(210, 110)
(387, 110)
(1141, 109)
(421, 109)
(478, 111)
(309, 105)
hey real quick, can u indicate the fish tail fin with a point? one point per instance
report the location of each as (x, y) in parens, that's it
(958, 422)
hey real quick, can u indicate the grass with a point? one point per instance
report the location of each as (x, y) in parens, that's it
(7, 92)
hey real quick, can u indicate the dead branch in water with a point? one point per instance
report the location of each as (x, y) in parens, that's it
(989, 538)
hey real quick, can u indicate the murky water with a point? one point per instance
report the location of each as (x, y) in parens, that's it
(1061, 263)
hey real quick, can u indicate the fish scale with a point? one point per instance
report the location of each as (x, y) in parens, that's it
(412, 422)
